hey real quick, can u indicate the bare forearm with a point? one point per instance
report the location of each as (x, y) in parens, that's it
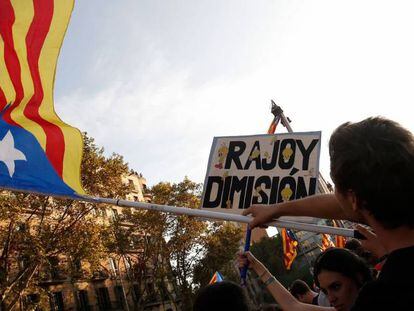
(279, 292)
(285, 299)
(320, 206)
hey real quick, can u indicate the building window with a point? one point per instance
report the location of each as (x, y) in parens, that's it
(115, 214)
(104, 302)
(128, 264)
(56, 301)
(83, 300)
(151, 295)
(23, 262)
(137, 292)
(120, 298)
(114, 266)
(33, 298)
(22, 227)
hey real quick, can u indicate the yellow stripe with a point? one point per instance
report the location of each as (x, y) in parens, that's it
(24, 12)
(5, 81)
(47, 66)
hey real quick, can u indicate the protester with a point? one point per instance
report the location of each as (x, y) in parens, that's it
(339, 274)
(355, 246)
(372, 167)
(221, 296)
(302, 292)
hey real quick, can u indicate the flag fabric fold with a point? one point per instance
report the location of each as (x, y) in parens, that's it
(339, 240)
(290, 244)
(326, 242)
(38, 151)
(217, 277)
(273, 125)
(289, 241)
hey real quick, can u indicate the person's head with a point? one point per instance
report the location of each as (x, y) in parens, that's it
(355, 246)
(221, 296)
(301, 291)
(372, 161)
(340, 273)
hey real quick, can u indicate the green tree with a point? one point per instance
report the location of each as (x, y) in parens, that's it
(169, 244)
(44, 237)
(184, 234)
(269, 251)
(135, 239)
(221, 245)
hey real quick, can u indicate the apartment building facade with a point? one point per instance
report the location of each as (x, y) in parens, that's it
(118, 285)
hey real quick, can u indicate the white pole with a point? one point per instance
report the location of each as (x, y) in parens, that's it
(221, 216)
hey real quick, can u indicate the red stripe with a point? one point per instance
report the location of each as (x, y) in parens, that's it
(289, 249)
(7, 19)
(55, 145)
(272, 128)
(3, 100)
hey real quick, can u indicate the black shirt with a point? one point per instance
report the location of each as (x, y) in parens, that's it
(394, 288)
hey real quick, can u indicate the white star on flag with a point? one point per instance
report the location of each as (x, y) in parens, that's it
(9, 154)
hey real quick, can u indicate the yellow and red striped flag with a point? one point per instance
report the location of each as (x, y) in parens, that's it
(289, 244)
(272, 126)
(326, 242)
(217, 278)
(44, 153)
(339, 240)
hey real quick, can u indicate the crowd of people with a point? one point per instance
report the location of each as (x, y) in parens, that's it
(372, 167)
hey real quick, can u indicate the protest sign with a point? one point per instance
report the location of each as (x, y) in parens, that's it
(260, 169)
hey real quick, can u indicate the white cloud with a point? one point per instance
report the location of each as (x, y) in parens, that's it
(161, 91)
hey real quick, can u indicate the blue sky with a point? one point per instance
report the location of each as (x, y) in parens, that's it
(155, 80)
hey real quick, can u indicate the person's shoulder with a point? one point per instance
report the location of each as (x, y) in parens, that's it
(379, 295)
(399, 266)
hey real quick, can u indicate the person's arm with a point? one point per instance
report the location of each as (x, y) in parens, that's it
(320, 206)
(285, 299)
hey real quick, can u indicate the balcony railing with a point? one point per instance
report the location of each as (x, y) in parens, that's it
(53, 276)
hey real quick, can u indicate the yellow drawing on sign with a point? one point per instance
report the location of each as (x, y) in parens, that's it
(257, 191)
(221, 154)
(228, 204)
(286, 193)
(255, 153)
(287, 153)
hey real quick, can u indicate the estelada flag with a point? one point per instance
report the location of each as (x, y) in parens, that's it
(326, 242)
(339, 240)
(216, 278)
(38, 151)
(290, 244)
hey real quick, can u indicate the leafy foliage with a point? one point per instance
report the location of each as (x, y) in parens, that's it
(44, 238)
(269, 251)
(221, 245)
(41, 237)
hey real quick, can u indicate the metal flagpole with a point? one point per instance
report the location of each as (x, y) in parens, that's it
(277, 111)
(204, 214)
(221, 216)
